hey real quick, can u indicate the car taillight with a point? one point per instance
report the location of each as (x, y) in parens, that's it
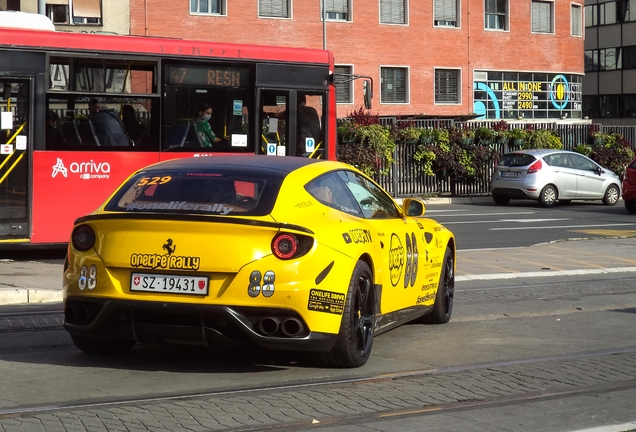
(535, 167)
(83, 238)
(285, 246)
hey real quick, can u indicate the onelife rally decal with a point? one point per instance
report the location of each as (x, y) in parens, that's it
(167, 261)
(326, 301)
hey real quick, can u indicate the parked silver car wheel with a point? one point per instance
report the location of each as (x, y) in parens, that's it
(548, 196)
(611, 195)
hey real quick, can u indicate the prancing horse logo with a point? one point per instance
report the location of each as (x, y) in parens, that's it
(168, 247)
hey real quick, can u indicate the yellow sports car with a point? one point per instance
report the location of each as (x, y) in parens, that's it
(282, 253)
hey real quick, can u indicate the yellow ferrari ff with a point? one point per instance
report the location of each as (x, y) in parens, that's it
(282, 253)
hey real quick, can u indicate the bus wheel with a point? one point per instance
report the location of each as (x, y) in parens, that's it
(94, 345)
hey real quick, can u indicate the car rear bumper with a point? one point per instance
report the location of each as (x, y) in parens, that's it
(514, 193)
(209, 325)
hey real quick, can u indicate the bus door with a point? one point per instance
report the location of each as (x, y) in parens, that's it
(15, 140)
(292, 123)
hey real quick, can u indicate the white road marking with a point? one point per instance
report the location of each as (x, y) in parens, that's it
(547, 273)
(560, 227)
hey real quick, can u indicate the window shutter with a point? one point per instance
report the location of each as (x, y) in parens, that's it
(541, 17)
(337, 6)
(273, 8)
(446, 90)
(496, 6)
(343, 89)
(393, 85)
(576, 20)
(446, 10)
(87, 8)
(392, 12)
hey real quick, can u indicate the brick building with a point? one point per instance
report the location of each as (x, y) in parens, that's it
(495, 58)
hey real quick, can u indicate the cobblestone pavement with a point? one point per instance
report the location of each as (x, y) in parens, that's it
(298, 406)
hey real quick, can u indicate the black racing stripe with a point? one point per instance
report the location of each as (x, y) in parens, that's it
(193, 218)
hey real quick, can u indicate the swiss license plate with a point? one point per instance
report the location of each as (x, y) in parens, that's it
(171, 284)
(509, 174)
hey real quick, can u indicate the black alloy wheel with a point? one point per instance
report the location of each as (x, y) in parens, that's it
(355, 339)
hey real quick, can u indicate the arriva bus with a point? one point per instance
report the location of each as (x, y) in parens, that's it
(53, 165)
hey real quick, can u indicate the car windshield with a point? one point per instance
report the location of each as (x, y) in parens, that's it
(516, 160)
(218, 192)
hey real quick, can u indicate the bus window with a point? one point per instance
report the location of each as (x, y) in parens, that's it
(125, 88)
(274, 123)
(76, 130)
(206, 107)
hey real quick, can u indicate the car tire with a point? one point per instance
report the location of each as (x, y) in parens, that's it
(548, 196)
(443, 306)
(355, 338)
(630, 205)
(612, 193)
(92, 345)
(500, 200)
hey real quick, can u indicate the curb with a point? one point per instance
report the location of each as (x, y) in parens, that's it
(18, 296)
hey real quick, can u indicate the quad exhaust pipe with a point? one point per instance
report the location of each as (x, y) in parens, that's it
(289, 327)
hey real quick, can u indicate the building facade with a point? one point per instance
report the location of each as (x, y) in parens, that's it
(610, 61)
(494, 59)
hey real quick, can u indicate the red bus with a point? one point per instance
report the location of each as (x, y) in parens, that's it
(53, 165)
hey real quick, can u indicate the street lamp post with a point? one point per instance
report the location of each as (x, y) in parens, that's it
(324, 25)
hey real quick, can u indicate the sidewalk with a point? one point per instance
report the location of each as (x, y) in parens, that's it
(23, 282)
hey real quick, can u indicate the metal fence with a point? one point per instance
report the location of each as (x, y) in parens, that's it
(406, 178)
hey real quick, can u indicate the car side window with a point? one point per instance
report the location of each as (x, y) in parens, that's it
(373, 201)
(561, 160)
(330, 190)
(582, 163)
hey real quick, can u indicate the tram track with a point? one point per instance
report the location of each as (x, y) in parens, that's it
(350, 400)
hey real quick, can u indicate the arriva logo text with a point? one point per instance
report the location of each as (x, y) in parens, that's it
(85, 170)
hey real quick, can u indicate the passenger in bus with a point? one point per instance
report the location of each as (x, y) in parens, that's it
(308, 125)
(133, 127)
(54, 137)
(109, 128)
(202, 118)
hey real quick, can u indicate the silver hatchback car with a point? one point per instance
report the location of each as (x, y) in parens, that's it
(551, 175)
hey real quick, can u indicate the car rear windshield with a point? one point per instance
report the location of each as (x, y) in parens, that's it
(217, 192)
(516, 160)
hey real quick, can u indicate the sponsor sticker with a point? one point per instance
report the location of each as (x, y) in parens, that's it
(326, 301)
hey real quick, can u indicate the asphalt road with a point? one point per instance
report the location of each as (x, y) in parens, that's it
(524, 223)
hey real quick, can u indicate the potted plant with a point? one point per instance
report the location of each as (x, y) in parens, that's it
(468, 136)
(427, 136)
(410, 135)
(485, 135)
(347, 132)
(518, 137)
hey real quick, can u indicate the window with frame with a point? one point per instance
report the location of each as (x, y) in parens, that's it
(610, 59)
(591, 15)
(343, 84)
(393, 85)
(393, 11)
(496, 14)
(591, 60)
(212, 7)
(447, 86)
(630, 11)
(576, 28)
(76, 12)
(542, 17)
(337, 10)
(273, 8)
(609, 13)
(445, 13)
